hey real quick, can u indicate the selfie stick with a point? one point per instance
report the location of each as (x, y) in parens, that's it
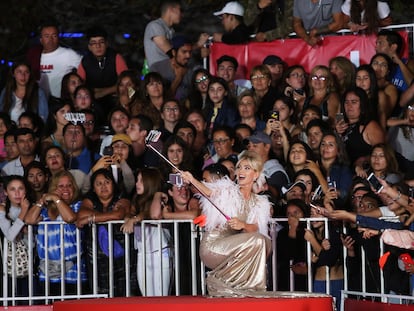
(153, 136)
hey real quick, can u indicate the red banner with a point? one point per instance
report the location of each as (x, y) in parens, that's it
(358, 48)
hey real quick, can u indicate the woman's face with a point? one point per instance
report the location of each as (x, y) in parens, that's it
(296, 79)
(314, 137)
(83, 100)
(175, 154)
(378, 160)
(65, 188)
(21, 75)
(410, 113)
(297, 155)
(73, 83)
(37, 179)
(154, 89)
(103, 187)
(231, 167)
(245, 174)
(119, 122)
(294, 211)
(247, 107)
(309, 115)
(329, 148)
(319, 80)
(352, 106)
(122, 149)
(362, 80)
(337, 71)
(139, 185)
(16, 192)
(54, 160)
(380, 66)
(202, 80)
(222, 144)
(284, 111)
(260, 82)
(124, 85)
(60, 115)
(216, 92)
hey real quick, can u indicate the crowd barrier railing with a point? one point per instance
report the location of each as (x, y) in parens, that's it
(40, 293)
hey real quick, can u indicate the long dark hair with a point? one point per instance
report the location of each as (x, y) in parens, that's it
(365, 113)
(152, 181)
(371, 18)
(30, 101)
(6, 181)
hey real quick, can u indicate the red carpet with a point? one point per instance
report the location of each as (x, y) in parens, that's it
(190, 303)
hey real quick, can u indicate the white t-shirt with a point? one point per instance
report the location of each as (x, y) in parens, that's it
(382, 7)
(53, 66)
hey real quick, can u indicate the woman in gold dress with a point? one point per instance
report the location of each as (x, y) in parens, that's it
(235, 247)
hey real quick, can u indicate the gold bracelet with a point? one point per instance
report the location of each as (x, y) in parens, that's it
(39, 205)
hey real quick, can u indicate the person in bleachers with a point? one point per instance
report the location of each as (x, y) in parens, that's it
(100, 68)
(268, 19)
(314, 18)
(391, 43)
(366, 15)
(50, 61)
(22, 93)
(235, 30)
(227, 69)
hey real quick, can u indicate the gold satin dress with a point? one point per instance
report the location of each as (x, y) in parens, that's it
(237, 259)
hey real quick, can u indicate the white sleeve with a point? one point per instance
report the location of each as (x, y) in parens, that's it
(346, 7)
(383, 9)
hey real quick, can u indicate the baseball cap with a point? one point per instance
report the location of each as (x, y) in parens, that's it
(259, 137)
(122, 137)
(273, 60)
(233, 8)
(298, 183)
(179, 41)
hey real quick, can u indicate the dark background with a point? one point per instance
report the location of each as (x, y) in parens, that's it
(19, 21)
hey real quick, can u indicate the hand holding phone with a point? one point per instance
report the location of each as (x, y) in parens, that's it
(374, 182)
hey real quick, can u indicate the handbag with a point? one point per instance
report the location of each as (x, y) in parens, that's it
(21, 262)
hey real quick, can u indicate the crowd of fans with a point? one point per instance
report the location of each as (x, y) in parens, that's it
(73, 142)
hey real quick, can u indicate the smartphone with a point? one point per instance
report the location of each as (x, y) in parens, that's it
(131, 92)
(108, 151)
(411, 192)
(339, 117)
(332, 184)
(373, 181)
(300, 91)
(274, 115)
(175, 179)
(317, 194)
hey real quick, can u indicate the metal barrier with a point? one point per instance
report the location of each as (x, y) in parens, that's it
(184, 236)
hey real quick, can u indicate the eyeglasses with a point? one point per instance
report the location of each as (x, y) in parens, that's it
(297, 75)
(410, 107)
(258, 77)
(96, 43)
(221, 141)
(320, 78)
(202, 79)
(90, 122)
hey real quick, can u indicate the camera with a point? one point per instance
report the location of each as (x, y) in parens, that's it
(175, 179)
